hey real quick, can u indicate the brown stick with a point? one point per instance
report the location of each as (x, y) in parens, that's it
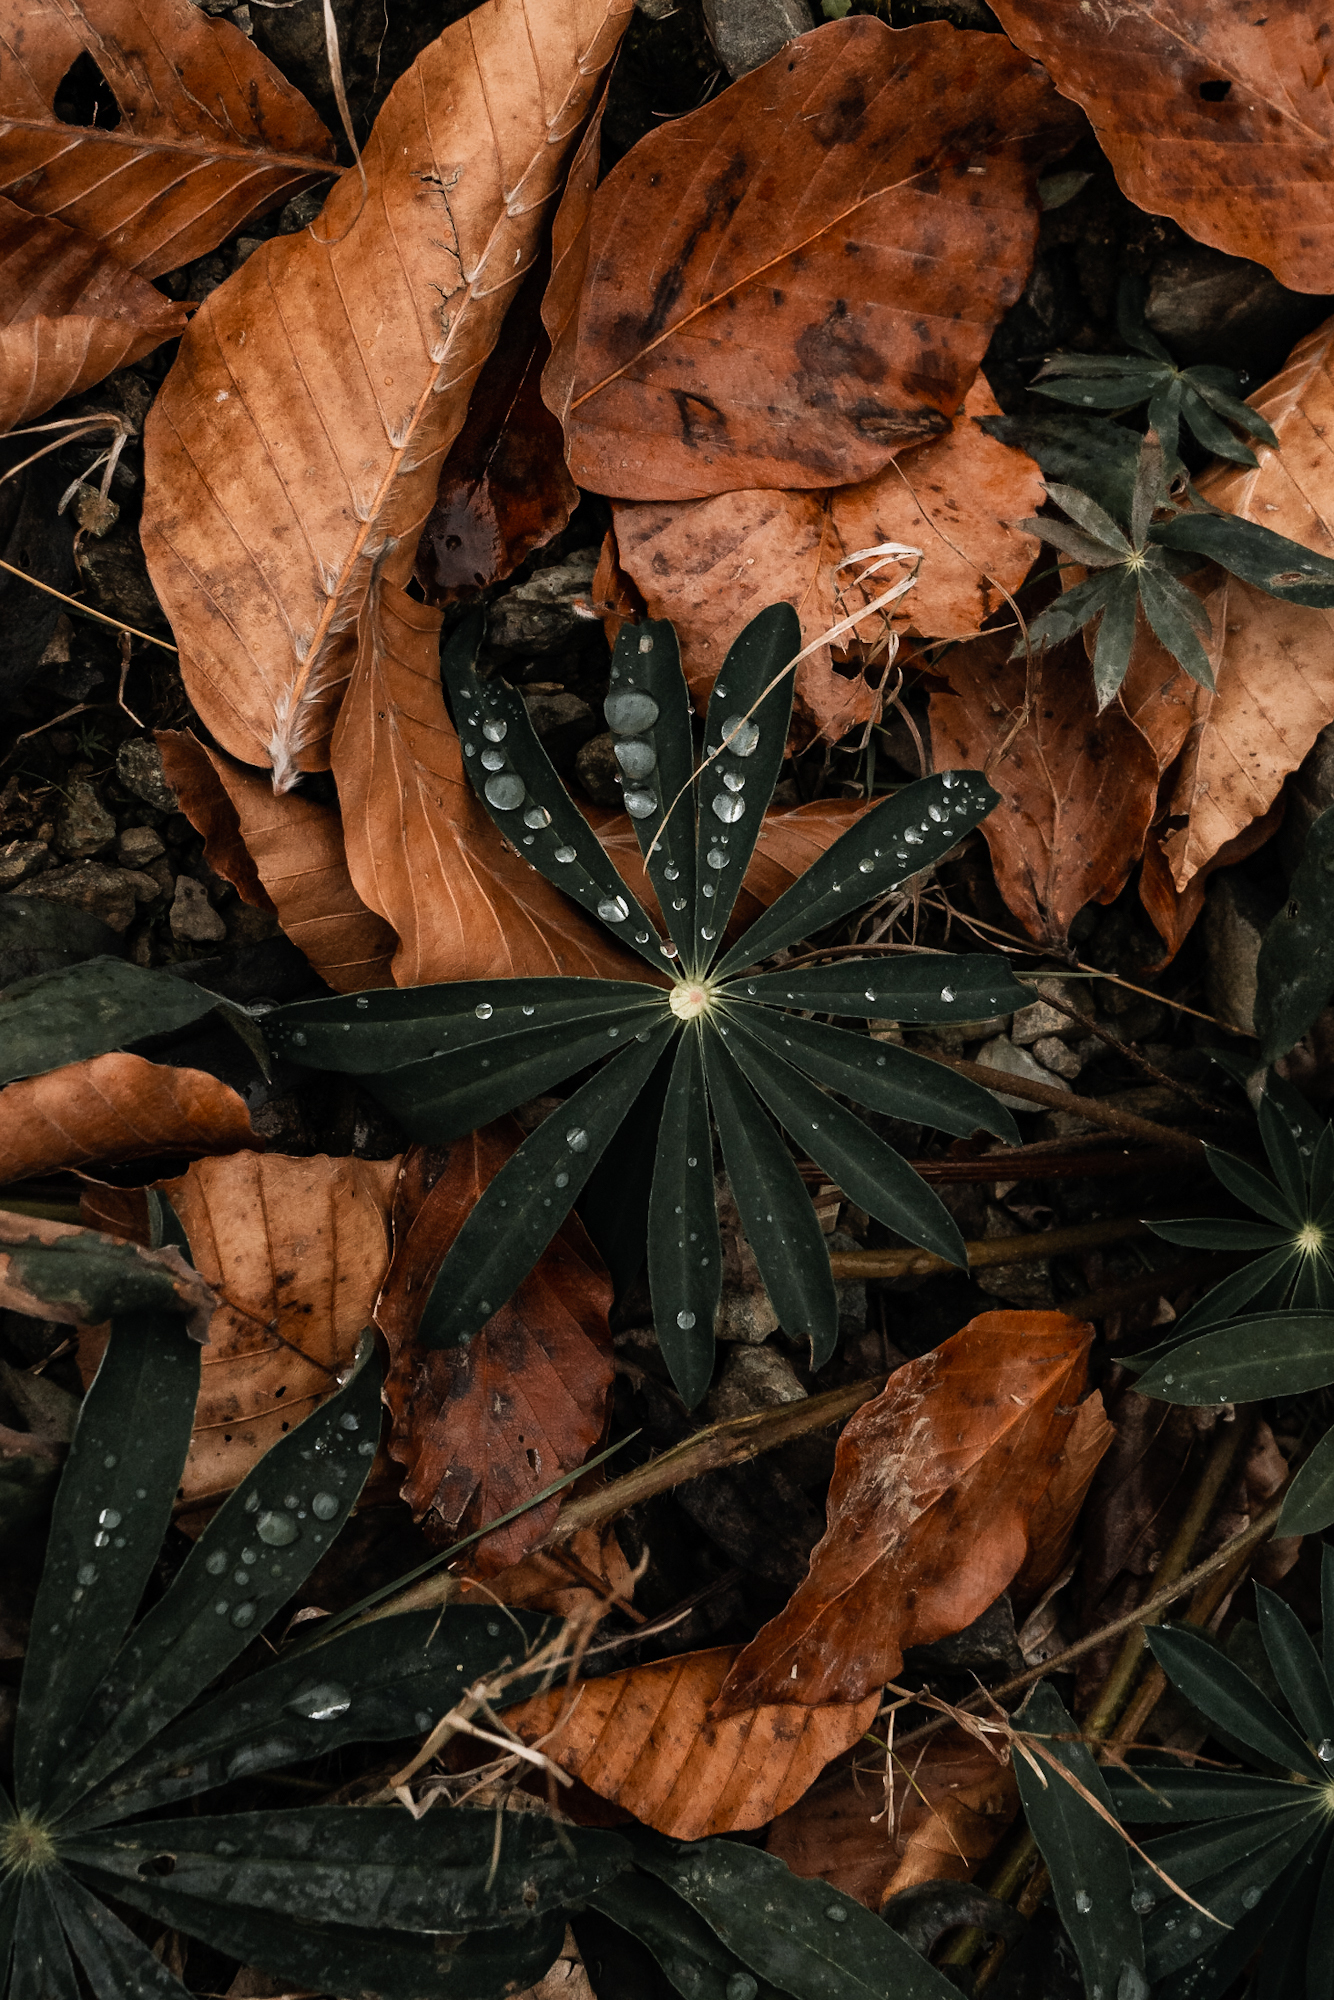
(989, 1252)
(1094, 1109)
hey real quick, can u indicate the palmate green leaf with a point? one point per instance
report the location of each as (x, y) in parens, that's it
(116, 1962)
(1098, 457)
(88, 1009)
(684, 1247)
(916, 988)
(1070, 612)
(111, 1511)
(1228, 1697)
(1088, 1861)
(285, 1514)
(1294, 974)
(1297, 1667)
(655, 750)
(41, 1968)
(1284, 569)
(776, 1211)
(1257, 1856)
(1171, 1794)
(894, 840)
(689, 1952)
(1308, 1505)
(809, 1940)
(526, 799)
(523, 1207)
(1271, 1354)
(869, 1172)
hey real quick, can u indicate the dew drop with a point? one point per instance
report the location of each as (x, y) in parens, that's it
(741, 1987)
(708, 934)
(729, 808)
(101, 1541)
(494, 730)
(678, 902)
(734, 781)
(244, 1615)
(562, 1180)
(716, 858)
(222, 1606)
(636, 757)
(577, 1139)
(685, 1321)
(708, 891)
(86, 1573)
(320, 1701)
(362, 1001)
(324, 1506)
(241, 1580)
(1083, 1902)
(565, 854)
(947, 993)
(741, 736)
(640, 804)
(912, 837)
(278, 1530)
(1142, 1902)
(505, 791)
(691, 1161)
(1251, 1897)
(251, 1502)
(950, 780)
(109, 1460)
(836, 1913)
(349, 1422)
(292, 1500)
(298, 1039)
(629, 712)
(217, 1562)
(670, 950)
(108, 1518)
(934, 813)
(670, 872)
(1325, 1750)
(537, 817)
(484, 1010)
(1168, 1380)
(613, 909)
(493, 760)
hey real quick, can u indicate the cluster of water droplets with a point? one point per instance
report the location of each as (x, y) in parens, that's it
(630, 713)
(105, 1536)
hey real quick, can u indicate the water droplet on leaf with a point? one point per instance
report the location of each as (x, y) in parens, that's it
(505, 791)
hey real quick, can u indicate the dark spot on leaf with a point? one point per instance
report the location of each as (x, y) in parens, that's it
(702, 422)
(84, 97)
(1216, 89)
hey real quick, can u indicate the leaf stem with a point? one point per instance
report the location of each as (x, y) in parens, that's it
(1095, 1109)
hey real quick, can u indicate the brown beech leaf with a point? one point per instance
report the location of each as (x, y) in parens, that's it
(794, 282)
(296, 445)
(952, 1801)
(482, 1428)
(1217, 115)
(935, 1485)
(296, 1250)
(70, 312)
(115, 1107)
(421, 849)
(206, 134)
(1078, 789)
(1173, 911)
(711, 565)
(549, 1579)
(647, 1740)
(284, 855)
(612, 594)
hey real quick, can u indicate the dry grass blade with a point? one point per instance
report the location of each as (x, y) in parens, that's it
(298, 440)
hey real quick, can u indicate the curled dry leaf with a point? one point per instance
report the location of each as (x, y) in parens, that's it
(482, 1428)
(298, 440)
(56, 1270)
(1216, 115)
(952, 1801)
(647, 1740)
(207, 131)
(711, 565)
(284, 855)
(1078, 788)
(769, 302)
(70, 312)
(1173, 911)
(116, 1107)
(935, 1486)
(295, 1250)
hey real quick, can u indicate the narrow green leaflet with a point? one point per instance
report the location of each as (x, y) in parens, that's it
(1257, 1857)
(86, 1010)
(258, 1548)
(1223, 1693)
(777, 1212)
(1272, 1354)
(111, 1512)
(1116, 636)
(1297, 1667)
(530, 1197)
(869, 1172)
(1088, 1860)
(649, 714)
(692, 1955)
(514, 778)
(116, 1962)
(1177, 618)
(1097, 457)
(1308, 1506)
(807, 1939)
(745, 741)
(895, 839)
(10, 1892)
(1283, 568)
(1169, 1794)
(919, 987)
(41, 1967)
(1250, 1185)
(684, 1248)
(1294, 975)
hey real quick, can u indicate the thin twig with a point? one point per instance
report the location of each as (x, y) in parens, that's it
(1094, 1109)
(85, 610)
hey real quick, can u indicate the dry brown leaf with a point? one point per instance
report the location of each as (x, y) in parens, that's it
(935, 1486)
(297, 443)
(1078, 789)
(1173, 911)
(646, 1740)
(208, 132)
(482, 1428)
(952, 1801)
(70, 312)
(797, 280)
(421, 850)
(548, 1580)
(570, 236)
(296, 1250)
(196, 1297)
(1051, 1526)
(611, 592)
(1215, 114)
(284, 855)
(115, 1107)
(711, 565)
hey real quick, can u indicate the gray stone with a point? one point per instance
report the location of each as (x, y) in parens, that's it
(1001, 1054)
(1018, 1284)
(107, 893)
(83, 825)
(598, 772)
(20, 859)
(193, 918)
(1204, 303)
(538, 616)
(753, 1378)
(138, 845)
(563, 722)
(1236, 916)
(1059, 1057)
(747, 32)
(139, 768)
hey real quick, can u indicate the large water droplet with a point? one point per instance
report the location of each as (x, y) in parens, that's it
(320, 1701)
(678, 902)
(836, 1913)
(278, 1530)
(741, 1986)
(494, 730)
(950, 780)
(577, 1139)
(934, 813)
(1142, 1902)
(640, 804)
(708, 934)
(493, 760)
(741, 736)
(707, 890)
(537, 817)
(629, 712)
(734, 781)
(729, 807)
(324, 1506)
(613, 909)
(717, 859)
(505, 791)
(912, 837)
(108, 1518)
(947, 993)
(1325, 1747)
(86, 1573)
(670, 872)
(1083, 1902)
(565, 854)
(101, 1540)
(636, 757)
(685, 1321)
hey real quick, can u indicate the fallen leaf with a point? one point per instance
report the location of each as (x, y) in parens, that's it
(206, 131)
(935, 1485)
(647, 1740)
(612, 594)
(571, 233)
(57, 1270)
(1051, 1526)
(295, 1250)
(1078, 788)
(548, 1579)
(711, 565)
(1214, 115)
(1174, 911)
(116, 1107)
(952, 1802)
(284, 855)
(1273, 663)
(70, 312)
(482, 1428)
(297, 442)
(421, 850)
(792, 283)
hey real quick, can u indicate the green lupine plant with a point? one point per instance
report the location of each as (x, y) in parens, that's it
(710, 1033)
